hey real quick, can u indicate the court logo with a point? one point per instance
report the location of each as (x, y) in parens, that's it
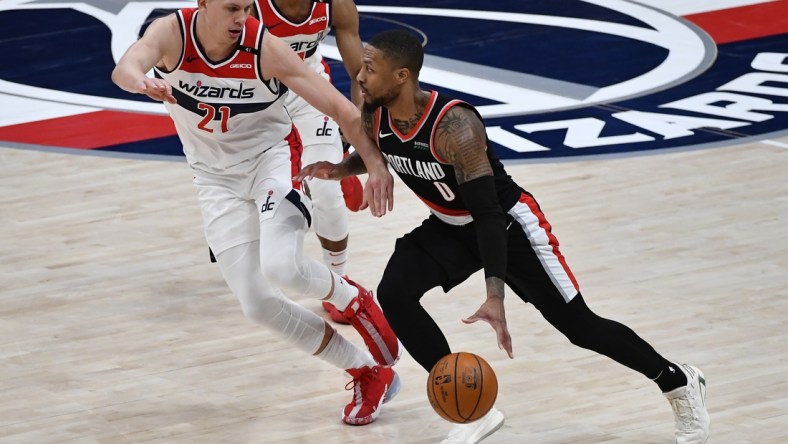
(586, 77)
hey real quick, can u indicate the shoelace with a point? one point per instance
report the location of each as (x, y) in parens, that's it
(363, 303)
(358, 382)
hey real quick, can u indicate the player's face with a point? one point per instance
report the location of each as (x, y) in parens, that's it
(226, 18)
(377, 78)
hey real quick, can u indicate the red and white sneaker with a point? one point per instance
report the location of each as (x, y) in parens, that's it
(372, 386)
(335, 314)
(367, 318)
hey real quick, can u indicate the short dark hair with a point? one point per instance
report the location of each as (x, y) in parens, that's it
(400, 46)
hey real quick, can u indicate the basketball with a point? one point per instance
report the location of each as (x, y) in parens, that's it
(462, 387)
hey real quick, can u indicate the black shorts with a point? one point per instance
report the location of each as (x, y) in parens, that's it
(536, 270)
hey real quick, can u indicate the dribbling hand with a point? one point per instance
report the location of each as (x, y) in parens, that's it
(492, 311)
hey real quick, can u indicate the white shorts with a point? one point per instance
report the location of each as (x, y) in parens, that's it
(234, 203)
(316, 130)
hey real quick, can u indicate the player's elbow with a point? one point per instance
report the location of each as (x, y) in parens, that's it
(116, 75)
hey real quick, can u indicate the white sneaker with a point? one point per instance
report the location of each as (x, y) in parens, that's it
(689, 408)
(476, 431)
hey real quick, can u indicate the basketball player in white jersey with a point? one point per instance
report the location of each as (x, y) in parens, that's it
(224, 81)
(303, 24)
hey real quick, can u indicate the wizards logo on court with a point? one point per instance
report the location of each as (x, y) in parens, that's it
(553, 78)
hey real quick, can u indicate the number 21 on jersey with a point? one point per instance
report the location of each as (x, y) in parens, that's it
(210, 113)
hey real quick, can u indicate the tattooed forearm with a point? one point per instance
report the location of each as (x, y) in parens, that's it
(495, 287)
(461, 141)
(353, 165)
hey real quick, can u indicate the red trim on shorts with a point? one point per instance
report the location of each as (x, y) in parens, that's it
(327, 68)
(296, 150)
(443, 210)
(545, 225)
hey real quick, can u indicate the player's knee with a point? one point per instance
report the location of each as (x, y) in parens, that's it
(325, 194)
(575, 320)
(263, 308)
(280, 271)
(392, 296)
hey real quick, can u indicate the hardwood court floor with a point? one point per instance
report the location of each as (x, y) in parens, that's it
(116, 328)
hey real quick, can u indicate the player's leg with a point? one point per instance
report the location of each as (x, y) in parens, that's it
(538, 273)
(322, 142)
(232, 231)
(231, 228)
(284, 217)
(423, 259)
(434, 254)
(265, 304)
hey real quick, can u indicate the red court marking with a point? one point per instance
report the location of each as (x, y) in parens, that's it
(745, 22)
(91, 130)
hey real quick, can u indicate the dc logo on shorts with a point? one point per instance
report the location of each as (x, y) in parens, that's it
(324, 131)
(269, 204)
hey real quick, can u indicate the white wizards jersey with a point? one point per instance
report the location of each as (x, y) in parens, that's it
(226, 113)
(303, 37)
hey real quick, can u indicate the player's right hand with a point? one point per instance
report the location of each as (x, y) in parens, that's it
(493, 312)
(378, 192)
(156, 89)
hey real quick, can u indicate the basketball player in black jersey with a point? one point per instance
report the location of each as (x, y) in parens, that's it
(481, 219)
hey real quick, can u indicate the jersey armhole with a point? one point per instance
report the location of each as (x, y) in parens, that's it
(182, 28)
(442, 113)
(261, 31)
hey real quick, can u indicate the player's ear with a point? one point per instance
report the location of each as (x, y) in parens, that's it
(201, 4)
(402, 75)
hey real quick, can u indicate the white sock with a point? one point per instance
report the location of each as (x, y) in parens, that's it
(335, 260)
(343, 354)
(343, 293)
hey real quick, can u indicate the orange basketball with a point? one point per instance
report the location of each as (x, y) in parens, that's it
(462, 387)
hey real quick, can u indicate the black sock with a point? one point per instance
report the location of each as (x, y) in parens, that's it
(671, 377)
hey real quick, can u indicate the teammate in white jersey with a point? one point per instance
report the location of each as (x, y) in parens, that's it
(303, 24)
(218, 72)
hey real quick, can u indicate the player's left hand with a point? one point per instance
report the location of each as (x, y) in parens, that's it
(320, 170)
(492, 311)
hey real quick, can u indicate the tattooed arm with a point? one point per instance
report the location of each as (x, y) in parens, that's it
(353, 165)
(460, 140)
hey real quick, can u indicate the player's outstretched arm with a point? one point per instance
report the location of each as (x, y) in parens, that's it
(345, 23)
(160, 44)
(352, 165)
(460, 139)
(279, 61)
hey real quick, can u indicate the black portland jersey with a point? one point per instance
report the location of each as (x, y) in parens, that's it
(433, 180)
